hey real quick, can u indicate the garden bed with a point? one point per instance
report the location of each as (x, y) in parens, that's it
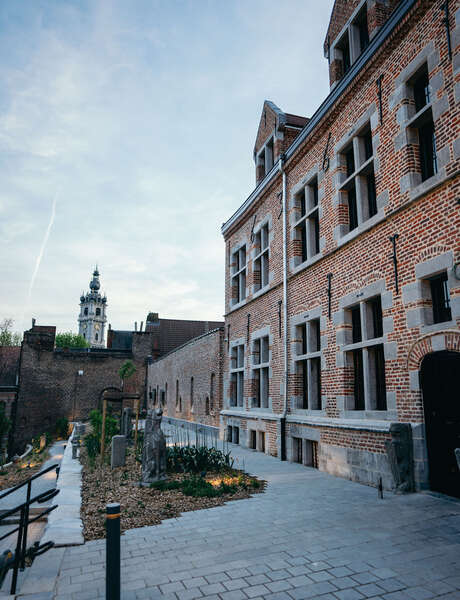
(141, 506)
(23, 469)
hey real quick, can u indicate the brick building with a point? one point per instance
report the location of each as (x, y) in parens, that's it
(342, 266)
(188, 380)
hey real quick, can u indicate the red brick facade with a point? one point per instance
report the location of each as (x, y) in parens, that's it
(349, 264)
(188, 380)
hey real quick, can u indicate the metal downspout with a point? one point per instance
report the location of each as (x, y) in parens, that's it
(285, 313)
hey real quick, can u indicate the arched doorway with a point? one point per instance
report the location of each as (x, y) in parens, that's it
(440, 380)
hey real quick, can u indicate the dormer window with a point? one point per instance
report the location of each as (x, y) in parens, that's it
(354, 40)
(265, 159)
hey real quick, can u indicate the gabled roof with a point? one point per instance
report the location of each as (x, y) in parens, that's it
(272, 119)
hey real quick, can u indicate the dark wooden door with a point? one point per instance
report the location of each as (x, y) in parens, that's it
(440, 379)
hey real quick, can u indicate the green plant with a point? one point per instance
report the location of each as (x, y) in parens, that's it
(111, 427)
(200, 488)
(70, 340)
(126, 371)
(62, 427)
(92, 447)
(166, 485)
(193, 459)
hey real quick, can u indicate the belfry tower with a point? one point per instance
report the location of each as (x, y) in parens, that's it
(92, 318)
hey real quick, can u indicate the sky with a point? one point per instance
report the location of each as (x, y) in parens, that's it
(126, 139)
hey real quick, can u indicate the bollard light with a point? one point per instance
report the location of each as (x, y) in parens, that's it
(112, 571)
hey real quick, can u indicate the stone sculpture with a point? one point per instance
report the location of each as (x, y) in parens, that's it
(400, 456)
(154, 449)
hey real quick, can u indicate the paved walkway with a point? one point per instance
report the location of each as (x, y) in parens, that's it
(310, 535)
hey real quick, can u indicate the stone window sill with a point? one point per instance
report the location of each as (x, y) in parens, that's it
(306, 263)
(362, 227)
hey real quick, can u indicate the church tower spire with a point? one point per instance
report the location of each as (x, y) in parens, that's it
(92, 317)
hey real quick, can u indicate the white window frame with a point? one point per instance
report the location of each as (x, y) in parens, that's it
(262, 258)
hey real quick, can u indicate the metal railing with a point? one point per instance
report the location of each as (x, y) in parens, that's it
(17, 560)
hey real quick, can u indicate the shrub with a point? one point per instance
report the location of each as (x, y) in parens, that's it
(193, 459)
(62, 427)
(92, 446)
(111, 427)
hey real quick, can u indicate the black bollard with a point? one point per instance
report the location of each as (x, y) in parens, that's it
(112, 575)
(380, 488)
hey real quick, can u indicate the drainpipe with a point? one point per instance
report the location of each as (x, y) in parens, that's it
(285, 313)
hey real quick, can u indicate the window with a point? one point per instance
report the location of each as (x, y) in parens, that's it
(260, 367)
(177, 394)
(307, 226)
(163, 397)
(85, 312)
(422, 122)
(166, 393)
(154, 396)
(344, 49)
(261, 261)
(96, 337)
(308, 365)
(253, 439)
(353, 42)
(357, 164)
(261, 441)
(207, 405)
(98, 312)
(237, 375)
(440, 298)
(368, 360)
(239, 275)
(305, 452)
(362, 30)
(266, 157)
(191, 393)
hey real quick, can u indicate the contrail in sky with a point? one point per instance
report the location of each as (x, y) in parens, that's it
(43, 246)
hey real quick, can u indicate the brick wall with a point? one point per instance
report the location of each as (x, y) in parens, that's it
(50, 386)
(424, 215)
(200, 359)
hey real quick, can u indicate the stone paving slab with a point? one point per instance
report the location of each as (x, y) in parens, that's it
(310, 535)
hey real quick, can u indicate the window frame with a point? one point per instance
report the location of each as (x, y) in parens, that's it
(307, 366)
(236, 371)
(260, 367)
(365, 355)
(356, 177)
(261, 261)
(307, 220)
(239, 275)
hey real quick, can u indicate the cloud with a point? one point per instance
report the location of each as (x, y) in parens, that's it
(145, 119)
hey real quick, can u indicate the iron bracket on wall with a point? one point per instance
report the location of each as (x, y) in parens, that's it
(329, 294)
(393, 239)
(379, 93)
(445, 8)
(252, 228)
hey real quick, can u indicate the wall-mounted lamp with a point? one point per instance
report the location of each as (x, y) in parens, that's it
(80, 372)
